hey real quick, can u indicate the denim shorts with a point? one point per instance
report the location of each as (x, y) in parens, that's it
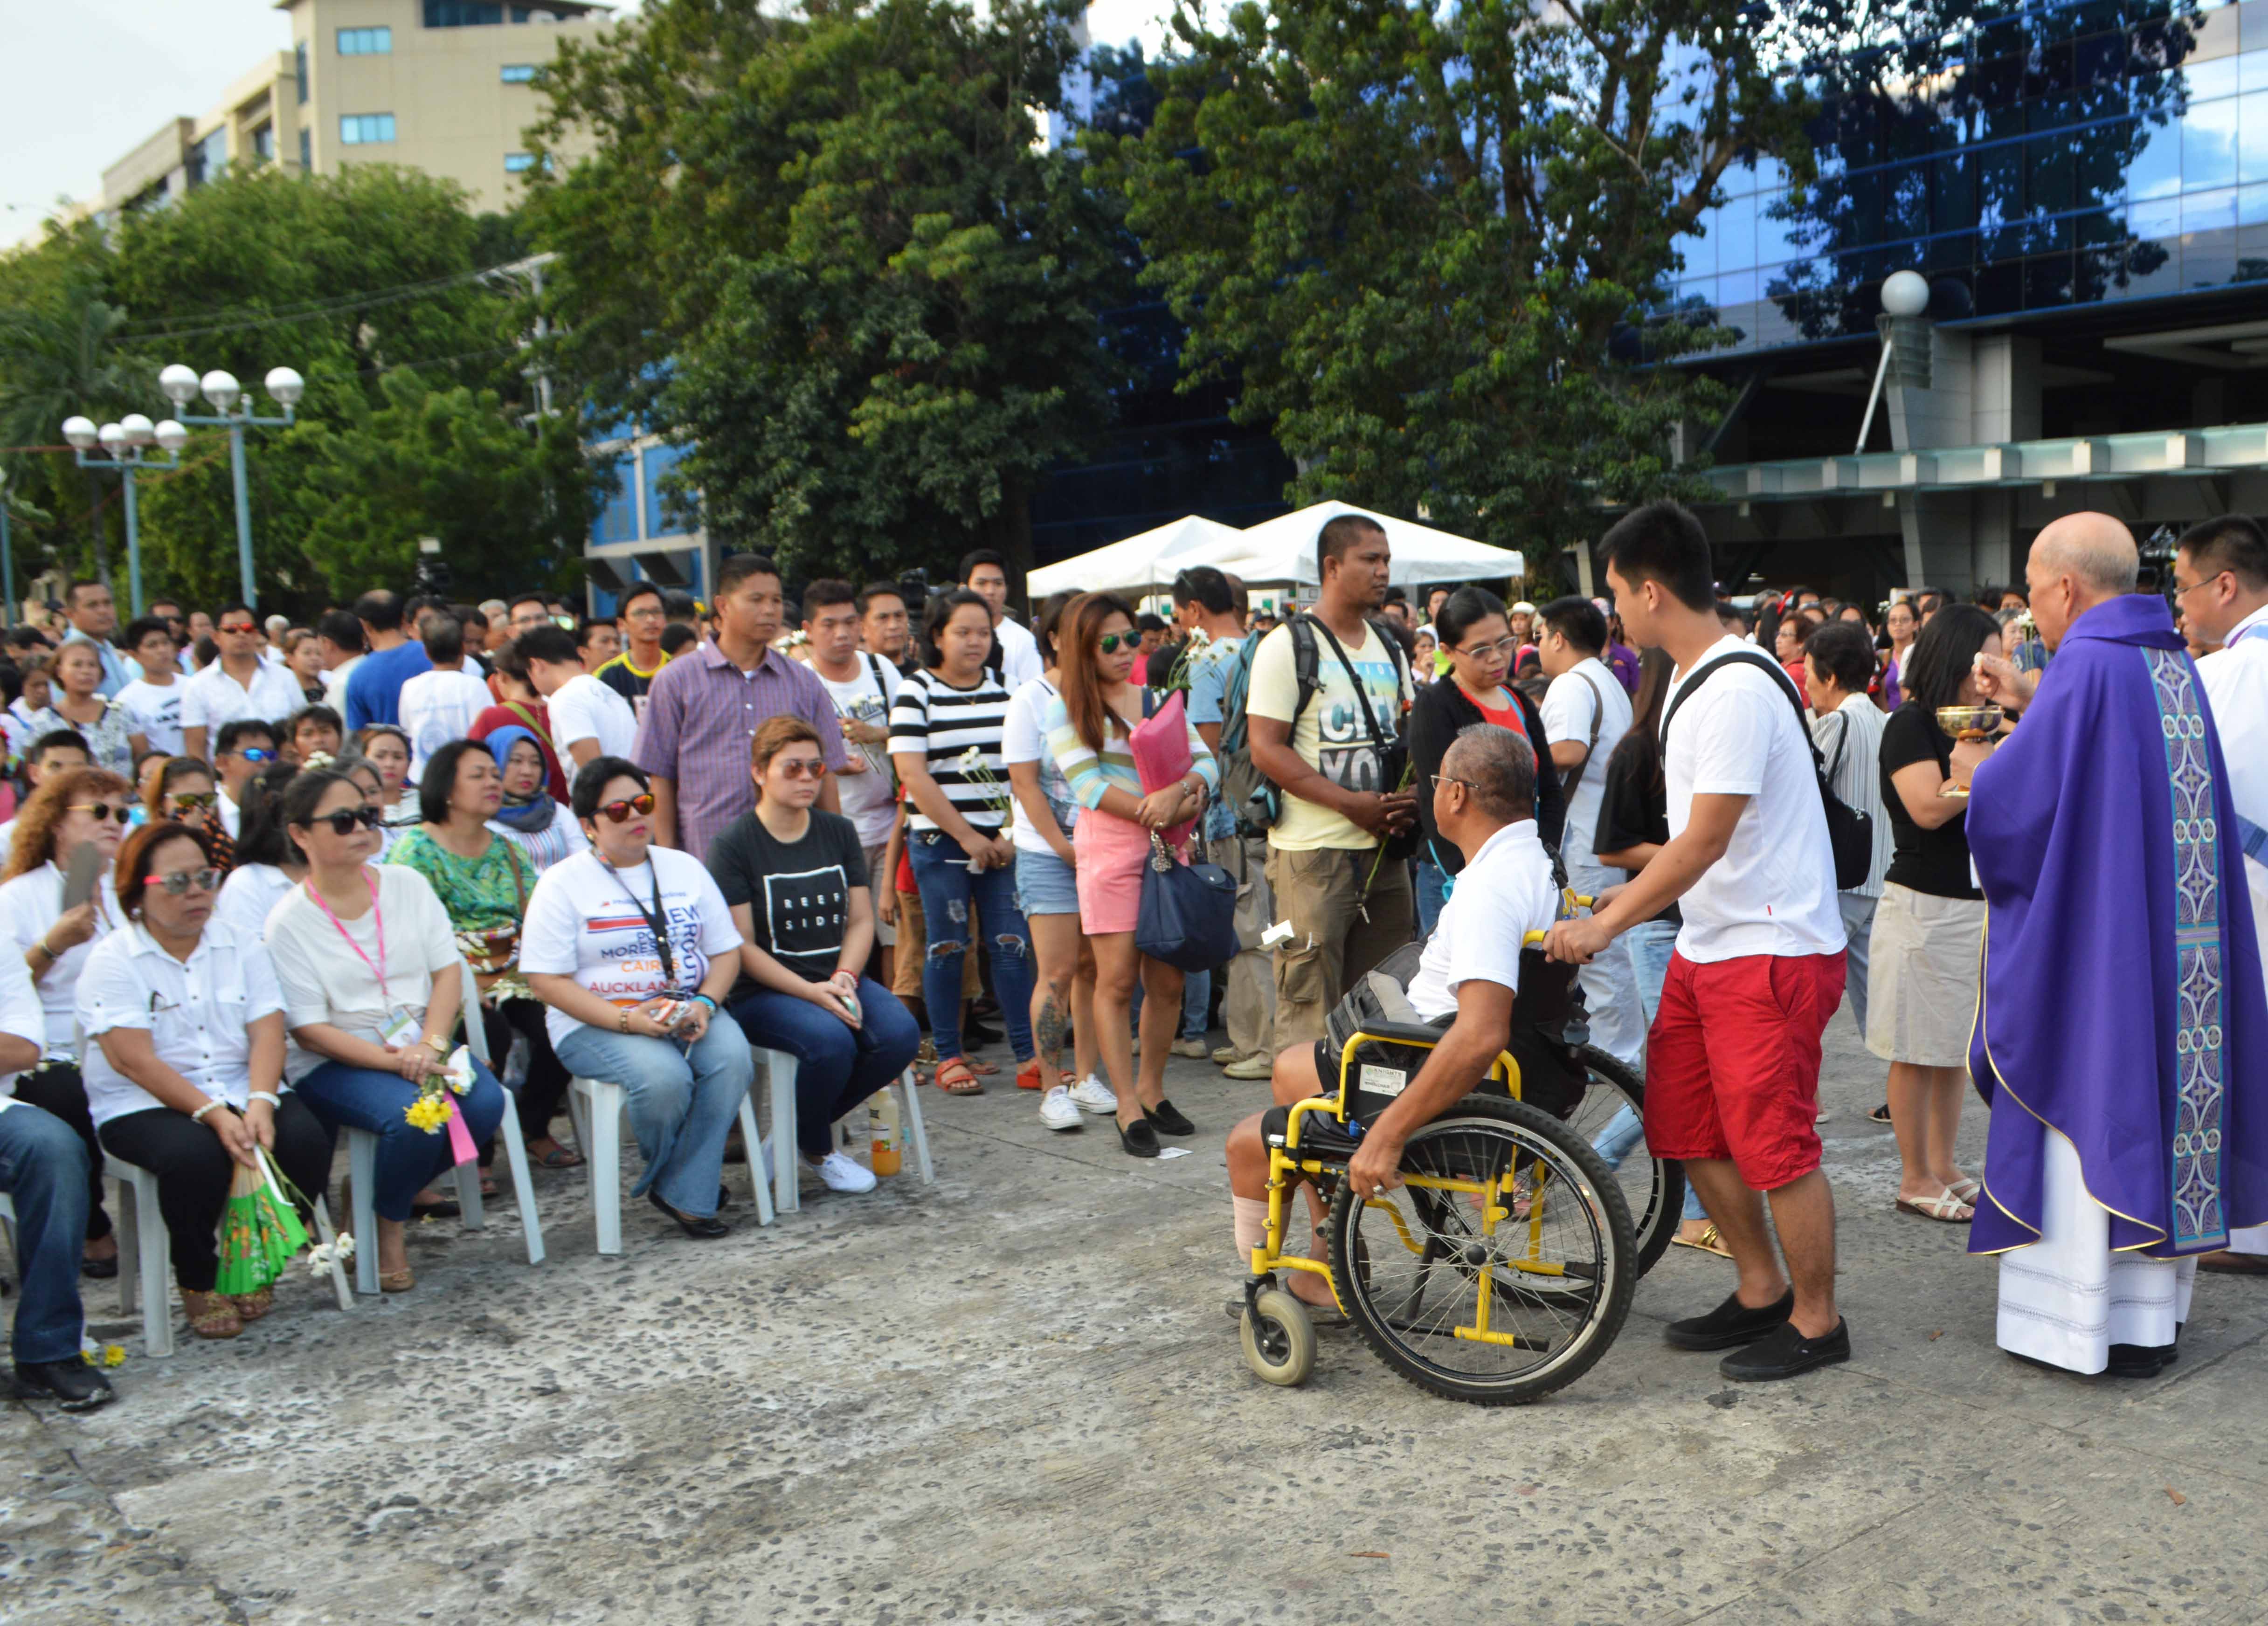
(1045, 884)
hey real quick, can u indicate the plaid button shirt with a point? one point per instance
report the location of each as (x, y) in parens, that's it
(700, 715)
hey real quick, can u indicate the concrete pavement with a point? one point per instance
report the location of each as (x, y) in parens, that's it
(1014, 1398)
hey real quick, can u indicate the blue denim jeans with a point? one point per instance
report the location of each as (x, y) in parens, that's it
(948, 886)
(1433, 893)
(409, 1158)
(837, 1065)
(1650, 943)
(683, 1099)
(43, 1170)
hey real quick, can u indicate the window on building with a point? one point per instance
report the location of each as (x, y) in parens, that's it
(518, 73)
(263, 142)
(366, 130)
(307, 149)
(299, 70)
(461, 14)
(366, 41)
(208, 159)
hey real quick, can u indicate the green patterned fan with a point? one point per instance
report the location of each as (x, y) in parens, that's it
(260, 1229)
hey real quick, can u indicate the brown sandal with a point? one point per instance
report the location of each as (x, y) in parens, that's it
(212, 1315)
(396, 1281)
(955, 1076)
(252, 1306)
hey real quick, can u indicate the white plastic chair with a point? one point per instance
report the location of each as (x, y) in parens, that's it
(362, 1165)
(144, 1246)
(597, 1107)
(779, 1071)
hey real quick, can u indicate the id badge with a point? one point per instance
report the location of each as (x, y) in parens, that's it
(401, 1030)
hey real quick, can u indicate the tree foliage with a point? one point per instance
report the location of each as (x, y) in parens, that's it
(1429, 235)
(826, 252)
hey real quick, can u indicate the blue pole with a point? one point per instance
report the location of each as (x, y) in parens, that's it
(243, 513)
(7, 564)
(133, 547)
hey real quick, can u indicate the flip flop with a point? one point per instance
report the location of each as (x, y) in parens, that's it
(1944, 1208)
(1708, 1242)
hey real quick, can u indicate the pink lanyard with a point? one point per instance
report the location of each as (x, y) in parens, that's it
(377, 919)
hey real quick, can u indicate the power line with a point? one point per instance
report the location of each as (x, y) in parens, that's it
(312, 309)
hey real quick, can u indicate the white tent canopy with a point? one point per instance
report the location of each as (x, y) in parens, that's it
(1282, 550)
(1139, 562)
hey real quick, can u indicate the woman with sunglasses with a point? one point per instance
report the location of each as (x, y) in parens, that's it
(372, 989)
(1090, 726)
(1477, 639)
(185, 792)
(529, 817)
(80, 809)
(795, 879)
(387, 748)
(114, 734)
(633, 948)
(484, 884)
(185, 1061)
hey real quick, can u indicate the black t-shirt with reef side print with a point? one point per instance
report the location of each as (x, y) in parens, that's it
(797, 893)
(1935, 862)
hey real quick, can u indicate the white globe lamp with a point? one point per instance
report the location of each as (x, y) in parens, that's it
(80, 432)
(285, 385)
(220, 388)
(180, 383)
(1905, 293)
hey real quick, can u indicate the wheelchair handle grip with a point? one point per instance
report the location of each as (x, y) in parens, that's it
(1534, 939)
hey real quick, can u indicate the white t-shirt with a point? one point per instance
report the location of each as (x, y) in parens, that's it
(29, 906)
(436, 707)
(335, 683)
(197, 1014)
(868, 800)
(590, 921)
(1504, 893)
(248, 897)
(157, 713)
(329, 971)
(1024, 739)
(213, 698)
(20, 1015)
(583, 708)
(231, 810)
(1019, 654)
(1773, 892)
(1585, 690)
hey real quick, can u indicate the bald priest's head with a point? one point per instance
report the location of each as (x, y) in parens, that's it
(2076, 563)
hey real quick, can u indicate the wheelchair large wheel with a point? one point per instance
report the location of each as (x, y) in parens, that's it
(1497, 1311)
(1653, 1188)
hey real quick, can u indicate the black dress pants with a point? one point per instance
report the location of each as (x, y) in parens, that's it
(195, 1172)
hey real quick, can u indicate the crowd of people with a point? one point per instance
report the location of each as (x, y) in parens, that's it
(260, 878)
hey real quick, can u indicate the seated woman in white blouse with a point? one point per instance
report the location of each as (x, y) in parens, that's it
(78, 809)
(372, 989)
(184, 1022)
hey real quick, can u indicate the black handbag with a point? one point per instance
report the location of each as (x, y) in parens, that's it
(1188, 918)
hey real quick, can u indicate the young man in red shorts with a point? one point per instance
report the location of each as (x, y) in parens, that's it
(1731, 1081)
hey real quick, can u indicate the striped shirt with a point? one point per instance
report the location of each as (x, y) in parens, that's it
(1089, 773)
(943, 723)
(1850, 741)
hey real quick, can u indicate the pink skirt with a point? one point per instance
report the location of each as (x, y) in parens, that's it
(1111, 852)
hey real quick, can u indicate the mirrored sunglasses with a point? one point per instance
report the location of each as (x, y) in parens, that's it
(618, 813)
(180, 880)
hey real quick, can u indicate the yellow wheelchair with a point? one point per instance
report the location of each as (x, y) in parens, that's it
(1502, 1268)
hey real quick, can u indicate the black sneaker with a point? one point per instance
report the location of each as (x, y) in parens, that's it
(80, 1387)
(1731, 1324)
(1167, 1120)
(2140, 1360)
(1785, 1352)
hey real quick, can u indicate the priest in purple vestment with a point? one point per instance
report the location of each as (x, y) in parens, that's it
(2121, 1034)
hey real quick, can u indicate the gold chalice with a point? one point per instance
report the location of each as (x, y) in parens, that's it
(1967, 723)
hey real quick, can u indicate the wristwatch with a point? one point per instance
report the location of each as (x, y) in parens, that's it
(439, 1047)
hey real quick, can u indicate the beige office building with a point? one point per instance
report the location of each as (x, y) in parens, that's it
(439, 86)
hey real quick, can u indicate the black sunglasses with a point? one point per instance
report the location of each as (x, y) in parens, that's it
(1111, 643)
(343, 821)
(100, 811)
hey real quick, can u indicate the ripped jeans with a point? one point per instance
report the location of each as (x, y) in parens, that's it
(948, 887)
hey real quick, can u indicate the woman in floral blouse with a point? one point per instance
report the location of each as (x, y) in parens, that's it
(482, 881)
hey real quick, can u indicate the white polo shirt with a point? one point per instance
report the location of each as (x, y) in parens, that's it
(1504, 893)
(198, 1013)
(583, 708)
(19, 1014)
(30, 905)
(212, 698)
(1773, 892)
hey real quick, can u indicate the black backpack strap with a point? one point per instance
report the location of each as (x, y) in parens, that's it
(1306, 664)
(1369, 716)
(1741, 657)
(1590, 748)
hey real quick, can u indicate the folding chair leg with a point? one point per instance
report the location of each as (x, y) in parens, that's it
(580, 1117)
(468, 1193)
(329, 1239)
(129, 1252)
(759, 1183)
(604, 1149)
(361, 1169)
(523, 1188)
(781, 1070)
(149, 1263)
(916, 1127)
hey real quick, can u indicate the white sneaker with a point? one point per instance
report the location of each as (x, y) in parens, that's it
(842, 1173)
(1091, 1094)
(1056, 1110)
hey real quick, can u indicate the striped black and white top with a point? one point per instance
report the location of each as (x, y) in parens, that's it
(931, 715)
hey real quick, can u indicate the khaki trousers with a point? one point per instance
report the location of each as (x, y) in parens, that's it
(1332, 942)
(1248, 1007)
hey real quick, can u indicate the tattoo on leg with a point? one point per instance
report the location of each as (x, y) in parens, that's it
(1049, 1029)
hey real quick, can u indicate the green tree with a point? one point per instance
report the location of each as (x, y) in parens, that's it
(827, 253)
(1426, 237)
(63, 354)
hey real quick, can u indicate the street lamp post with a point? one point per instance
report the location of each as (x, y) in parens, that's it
(232, 404)
(7, 558)
(124, 440)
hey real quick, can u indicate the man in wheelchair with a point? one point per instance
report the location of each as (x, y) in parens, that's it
(1466, 978)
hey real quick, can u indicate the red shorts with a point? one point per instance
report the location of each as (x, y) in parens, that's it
(1731, 1065)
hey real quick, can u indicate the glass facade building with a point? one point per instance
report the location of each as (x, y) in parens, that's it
(2057, 156)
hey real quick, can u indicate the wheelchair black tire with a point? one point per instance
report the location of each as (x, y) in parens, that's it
(1665, 1197)
(1609, 1310)
(1280, 1347)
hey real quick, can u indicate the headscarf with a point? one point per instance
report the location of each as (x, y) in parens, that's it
(530, 814)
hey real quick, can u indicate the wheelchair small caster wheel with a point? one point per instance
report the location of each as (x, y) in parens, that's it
(1280, 1340)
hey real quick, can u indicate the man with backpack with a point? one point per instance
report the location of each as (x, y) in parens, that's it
(1327, 692)
(1752, 864)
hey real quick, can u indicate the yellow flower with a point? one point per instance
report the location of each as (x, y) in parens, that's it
(428, 1113)
(113, 1354)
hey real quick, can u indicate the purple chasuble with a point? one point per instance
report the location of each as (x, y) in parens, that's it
(2122, 1005)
